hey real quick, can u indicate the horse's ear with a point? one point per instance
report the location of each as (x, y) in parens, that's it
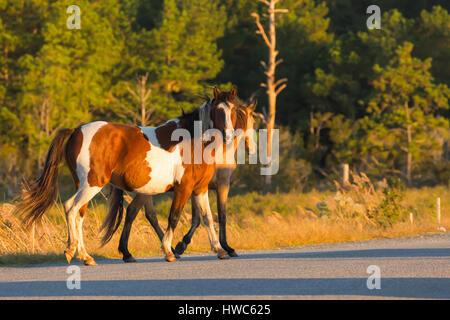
(252, 105)
(217, 92)
(233, 92)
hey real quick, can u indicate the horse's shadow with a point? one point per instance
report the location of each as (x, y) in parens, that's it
(340, 254)
(59, 260)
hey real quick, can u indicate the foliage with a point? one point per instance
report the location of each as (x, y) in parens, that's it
(361, 201)
(390, 209)
(179, 53)
(352, 94)
(404, 113)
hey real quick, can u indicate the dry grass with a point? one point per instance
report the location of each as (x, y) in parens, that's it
(255, 221)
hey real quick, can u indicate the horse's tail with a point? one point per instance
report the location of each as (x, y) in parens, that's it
(38, 197)
(114, 215)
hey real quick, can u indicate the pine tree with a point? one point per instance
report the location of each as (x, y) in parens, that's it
(180, 56)
(66, 79)
(404, 126)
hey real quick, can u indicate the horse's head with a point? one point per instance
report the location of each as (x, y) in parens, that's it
(223, 113)
(245, 122)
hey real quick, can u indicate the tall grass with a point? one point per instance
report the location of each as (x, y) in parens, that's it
(358, 211)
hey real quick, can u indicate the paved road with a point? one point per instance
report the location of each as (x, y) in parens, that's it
(416, 267)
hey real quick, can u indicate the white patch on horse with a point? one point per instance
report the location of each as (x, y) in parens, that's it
(166, 169)
(166, 245)
(202, 202)
(150, 133)
(84, 158)
(179, 168)
(176, 120)
(228, 123)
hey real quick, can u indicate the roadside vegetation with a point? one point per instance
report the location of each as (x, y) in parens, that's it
(357, 211)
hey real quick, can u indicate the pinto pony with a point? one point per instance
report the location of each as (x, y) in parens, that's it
(145, 160)
(220, 183)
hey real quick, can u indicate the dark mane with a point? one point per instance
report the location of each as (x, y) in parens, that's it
(190, 116)
(187, 119)
(241, 115)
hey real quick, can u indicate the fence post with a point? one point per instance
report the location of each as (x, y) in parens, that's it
(345, 173)
(438, 210)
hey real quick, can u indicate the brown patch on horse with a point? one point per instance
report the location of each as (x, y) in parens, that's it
(118, 155)
(169, 187)
(83, 210)
(224, 96)
(206, 172)
(197, 175)
(164, 134)
(241, 118)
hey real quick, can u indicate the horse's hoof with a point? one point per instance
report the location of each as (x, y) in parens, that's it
(222, 254)
(129, 259)
(90, 262)
(176, 255)
(69, 255)
(179, 249)
(233, 254)
(171, 257)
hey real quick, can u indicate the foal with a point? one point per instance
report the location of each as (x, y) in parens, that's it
(144, 160)
(220, 183)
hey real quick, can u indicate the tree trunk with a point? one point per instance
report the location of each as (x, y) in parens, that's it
(273, 87)
(143, 115)
(141, 94)
(409, 140)
(409, 156)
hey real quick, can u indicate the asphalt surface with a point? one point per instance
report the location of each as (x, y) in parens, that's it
(410, 268)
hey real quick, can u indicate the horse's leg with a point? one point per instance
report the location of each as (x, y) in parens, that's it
(222, 197)
(180, 197)
(82, 252)
(132, 211)
(195, 222)
(150, 214)
(72, 208)
(203, 202)
(71, 227)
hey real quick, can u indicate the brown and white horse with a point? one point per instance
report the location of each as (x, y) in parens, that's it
(144, 160)
(220, 183)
